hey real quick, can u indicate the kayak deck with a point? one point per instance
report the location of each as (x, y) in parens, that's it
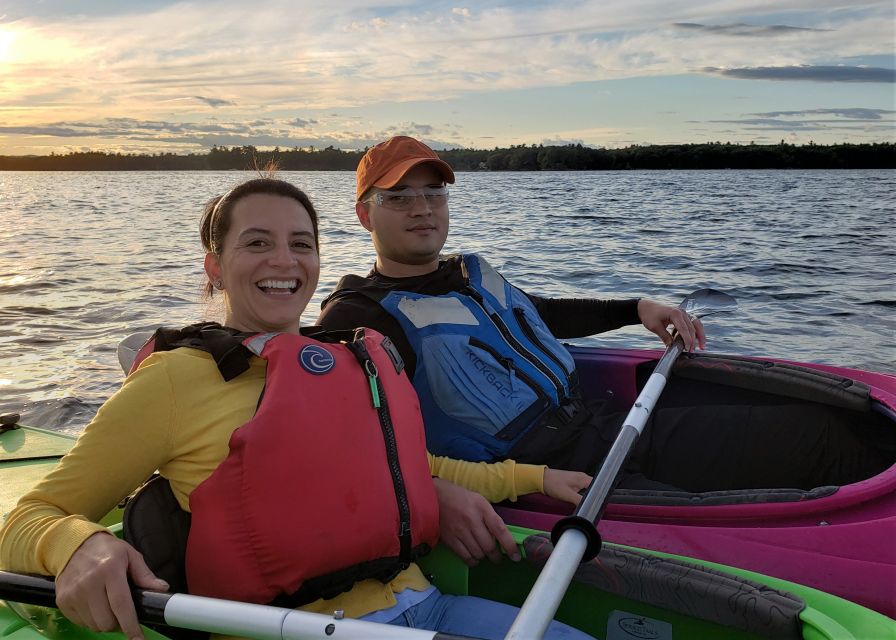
(27, 454)
(600, 610)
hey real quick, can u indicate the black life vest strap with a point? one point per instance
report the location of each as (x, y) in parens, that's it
(332, 584)
(223, 344)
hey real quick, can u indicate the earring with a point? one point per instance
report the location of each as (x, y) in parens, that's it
(217, 284)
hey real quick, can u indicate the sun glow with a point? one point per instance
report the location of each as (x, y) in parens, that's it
(6, 39)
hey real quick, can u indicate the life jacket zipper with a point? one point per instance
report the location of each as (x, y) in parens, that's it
(517, 346)
(508, 364)
(530, 333)
(534, 411)
(378, 397)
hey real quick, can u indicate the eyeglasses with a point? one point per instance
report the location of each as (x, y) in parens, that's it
(405, 199)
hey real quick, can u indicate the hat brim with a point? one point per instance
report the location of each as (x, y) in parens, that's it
(396, 173)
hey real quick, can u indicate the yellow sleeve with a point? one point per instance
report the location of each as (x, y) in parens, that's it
(130, 437)
(496, 481)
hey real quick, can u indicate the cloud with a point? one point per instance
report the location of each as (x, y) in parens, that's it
(809, 73)
(371, 61)
(124, 127)
(845, 119)
(56, 132)
(301, 123)
(810, 124)
(410, 129)
(562, 142)
(751, 30)
(339, 57)
(854, 113)
(203, 135)
(215, 102)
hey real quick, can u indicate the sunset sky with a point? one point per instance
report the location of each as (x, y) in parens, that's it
(149, 76)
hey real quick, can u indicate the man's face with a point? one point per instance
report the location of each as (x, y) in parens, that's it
(407, 238)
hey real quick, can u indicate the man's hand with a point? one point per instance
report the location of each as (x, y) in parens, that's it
(565, 485)
(93, 591)
(470, 527)
(657, 318)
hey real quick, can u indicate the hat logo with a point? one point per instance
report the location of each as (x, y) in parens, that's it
(316, 360)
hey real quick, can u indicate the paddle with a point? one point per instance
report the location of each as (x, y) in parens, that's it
(576, 537)
(224, 616)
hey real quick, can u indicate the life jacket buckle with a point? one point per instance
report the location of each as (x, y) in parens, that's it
(567, 411)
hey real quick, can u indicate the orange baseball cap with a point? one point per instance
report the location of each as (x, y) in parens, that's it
(384, 164)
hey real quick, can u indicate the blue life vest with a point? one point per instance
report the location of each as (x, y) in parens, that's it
(488, 369)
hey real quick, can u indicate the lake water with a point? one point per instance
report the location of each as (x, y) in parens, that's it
(88, 258)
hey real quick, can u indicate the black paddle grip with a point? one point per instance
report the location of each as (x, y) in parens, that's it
(586, 527)
(28, 589)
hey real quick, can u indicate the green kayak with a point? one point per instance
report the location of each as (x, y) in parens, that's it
(26, 455)
(622, 594)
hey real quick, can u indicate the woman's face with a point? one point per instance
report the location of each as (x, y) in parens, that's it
(268, 265)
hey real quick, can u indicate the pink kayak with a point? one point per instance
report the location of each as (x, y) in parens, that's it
(835, 535)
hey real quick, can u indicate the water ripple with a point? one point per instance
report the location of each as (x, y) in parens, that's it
(92, 257)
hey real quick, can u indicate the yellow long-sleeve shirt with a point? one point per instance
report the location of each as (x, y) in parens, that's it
(175, 414)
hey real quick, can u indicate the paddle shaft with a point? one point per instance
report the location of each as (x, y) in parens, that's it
(543, 600)
(595, 500)
(224, 616)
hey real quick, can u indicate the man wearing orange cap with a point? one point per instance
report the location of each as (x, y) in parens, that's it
(451, 319)
(493, 381)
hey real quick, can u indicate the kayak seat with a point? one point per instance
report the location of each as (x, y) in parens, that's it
(689, 589)
(726, 424)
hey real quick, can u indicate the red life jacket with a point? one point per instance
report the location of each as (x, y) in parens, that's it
(326, 485)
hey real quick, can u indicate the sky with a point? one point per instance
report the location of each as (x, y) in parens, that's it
(143, 76)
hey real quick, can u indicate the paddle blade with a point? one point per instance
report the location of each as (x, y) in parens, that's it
(706, 301)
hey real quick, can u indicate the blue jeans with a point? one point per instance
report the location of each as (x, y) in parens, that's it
(471, 616)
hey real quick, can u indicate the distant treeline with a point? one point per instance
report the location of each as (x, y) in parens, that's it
(516, 158)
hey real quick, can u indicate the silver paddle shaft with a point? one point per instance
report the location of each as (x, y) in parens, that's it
(628, 435)
(543, 600)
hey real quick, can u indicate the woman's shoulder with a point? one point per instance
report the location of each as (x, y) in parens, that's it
(190, 377)
(180, 363)
(180, 356)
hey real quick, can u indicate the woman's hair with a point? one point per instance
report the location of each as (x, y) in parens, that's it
(218, 212)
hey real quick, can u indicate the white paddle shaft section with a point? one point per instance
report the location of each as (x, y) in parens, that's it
(262, 622)
(541, 604)
(547, 592)
(640, 411)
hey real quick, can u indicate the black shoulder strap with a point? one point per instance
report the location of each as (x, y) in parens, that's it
(225, 345)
